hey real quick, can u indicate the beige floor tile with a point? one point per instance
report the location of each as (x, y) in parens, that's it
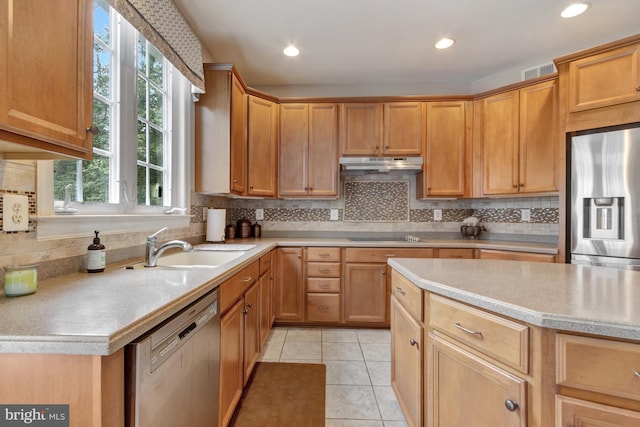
(394, 424)
(352, 423)
(388, 404)
(304, 334)
(341, 351)
(271, 351)
(351, 402)
(378, 336)
(314, 361)
(379, 372)
(347, 372)
(293, 350)
(277, 335)
(376, 352)
(339, 335)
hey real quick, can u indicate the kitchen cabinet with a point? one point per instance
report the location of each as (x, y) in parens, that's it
(447, 168)
(407, 350)
(514, 256)
(608, 395)
(221, 133)
(266, 296)
(323, 290)
(520, 141)
(308, 151)
(46, 83)
(381, 129)
(460, 253)
(239, 337)
(289, 289)
(262, 134)
(366, 283)
(600, 87)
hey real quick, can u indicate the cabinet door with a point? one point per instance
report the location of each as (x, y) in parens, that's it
(293, 169)
(538, 138)
(609, 78)
(406, 362)
(263, 152)
(251, 329)
(445, 146)
(238, 142)
(46, 84)
(366, 295)
(361, 129)
(500, 144)
(289, 285)
(265, 306)
(580, 413)
(231, 360)
(403, 128)
(323, 150)
(467, 390)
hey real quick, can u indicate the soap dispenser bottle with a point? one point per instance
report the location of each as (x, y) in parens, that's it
(96, 256)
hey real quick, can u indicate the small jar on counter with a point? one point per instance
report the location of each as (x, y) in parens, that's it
(20, 280)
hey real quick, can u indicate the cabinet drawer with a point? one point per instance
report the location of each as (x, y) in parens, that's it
(323, 269)
(455, 253)
(265, 263)
(323, 254)
(382, 254)
(499, 338)
(576, 412)
(322, 284)
(515, 256)
(603, 366)
(235, 287)
(323, 307)
(408, 294)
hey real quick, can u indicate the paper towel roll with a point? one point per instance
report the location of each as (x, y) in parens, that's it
(216, 220)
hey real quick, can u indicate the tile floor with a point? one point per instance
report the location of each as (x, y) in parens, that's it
(358, 364)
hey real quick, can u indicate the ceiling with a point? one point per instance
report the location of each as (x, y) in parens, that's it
(379, 47)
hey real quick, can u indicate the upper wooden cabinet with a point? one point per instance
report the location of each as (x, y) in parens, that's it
(308, 151)
(520, 141)
(263, 147)
(46, 85)
(446, 150)
(221, 133)
(376, 129)
(601, 86)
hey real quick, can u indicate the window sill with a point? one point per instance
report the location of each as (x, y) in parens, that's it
(70, 226)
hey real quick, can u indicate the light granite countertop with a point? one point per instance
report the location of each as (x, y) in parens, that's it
(591, 300)
(98, 314)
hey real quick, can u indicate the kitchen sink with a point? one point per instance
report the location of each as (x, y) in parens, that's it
(203, 256)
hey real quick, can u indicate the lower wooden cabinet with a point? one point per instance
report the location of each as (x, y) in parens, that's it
(251, 314)
(515, 256)
(323, 307)
(581, 413)
(468, 390)
(289, 289)
(406, 362)
(231, 361)
(266, 284)
(365, 293)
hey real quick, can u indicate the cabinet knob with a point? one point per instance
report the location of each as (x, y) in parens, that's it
(251, 187)
(521, 185)
(636, 373)
(93, 130)
(249, 305)
(413, 342)
(515, 185)
(511, 405)
(245, 312)
(235, 181)
(638, 88)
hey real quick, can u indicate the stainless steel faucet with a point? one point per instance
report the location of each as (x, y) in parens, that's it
(152, 253)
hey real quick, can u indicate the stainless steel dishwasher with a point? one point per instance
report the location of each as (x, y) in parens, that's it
(173, 371)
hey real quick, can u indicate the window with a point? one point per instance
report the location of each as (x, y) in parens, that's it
(131, 170)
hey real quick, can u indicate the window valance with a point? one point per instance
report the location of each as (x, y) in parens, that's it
(163, 25)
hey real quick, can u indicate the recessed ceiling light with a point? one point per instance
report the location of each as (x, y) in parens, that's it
(575, 9)
(291, 51)
(445, 43)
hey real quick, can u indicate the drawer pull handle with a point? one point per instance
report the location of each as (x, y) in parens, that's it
(324, 255)
(511, 405)
(469, 331)
(324, 286)
(324, 270)
(413, 342)
(247, 279)
(637, 373)
(323, 308)
(400, 290)
(390, 255)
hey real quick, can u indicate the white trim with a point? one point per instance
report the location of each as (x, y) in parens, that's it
(71, 226)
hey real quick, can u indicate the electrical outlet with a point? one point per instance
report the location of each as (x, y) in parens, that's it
(437, 214)
(15, 212)
(525, 214)
(259, 214)
(334, 215)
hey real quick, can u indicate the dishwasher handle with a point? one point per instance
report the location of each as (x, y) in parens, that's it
(187, 330)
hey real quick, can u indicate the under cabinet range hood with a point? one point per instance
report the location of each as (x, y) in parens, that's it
(409, 165)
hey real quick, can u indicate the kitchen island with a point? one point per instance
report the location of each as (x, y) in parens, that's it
(515, 343)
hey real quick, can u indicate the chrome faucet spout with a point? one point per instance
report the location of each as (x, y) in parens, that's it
(152, 253)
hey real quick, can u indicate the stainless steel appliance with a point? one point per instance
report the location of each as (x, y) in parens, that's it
(173, 371)
(605, 198)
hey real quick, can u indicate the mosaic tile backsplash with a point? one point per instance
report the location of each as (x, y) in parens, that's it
(373, 201)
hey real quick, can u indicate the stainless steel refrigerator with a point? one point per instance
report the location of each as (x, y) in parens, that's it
(605, 198)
